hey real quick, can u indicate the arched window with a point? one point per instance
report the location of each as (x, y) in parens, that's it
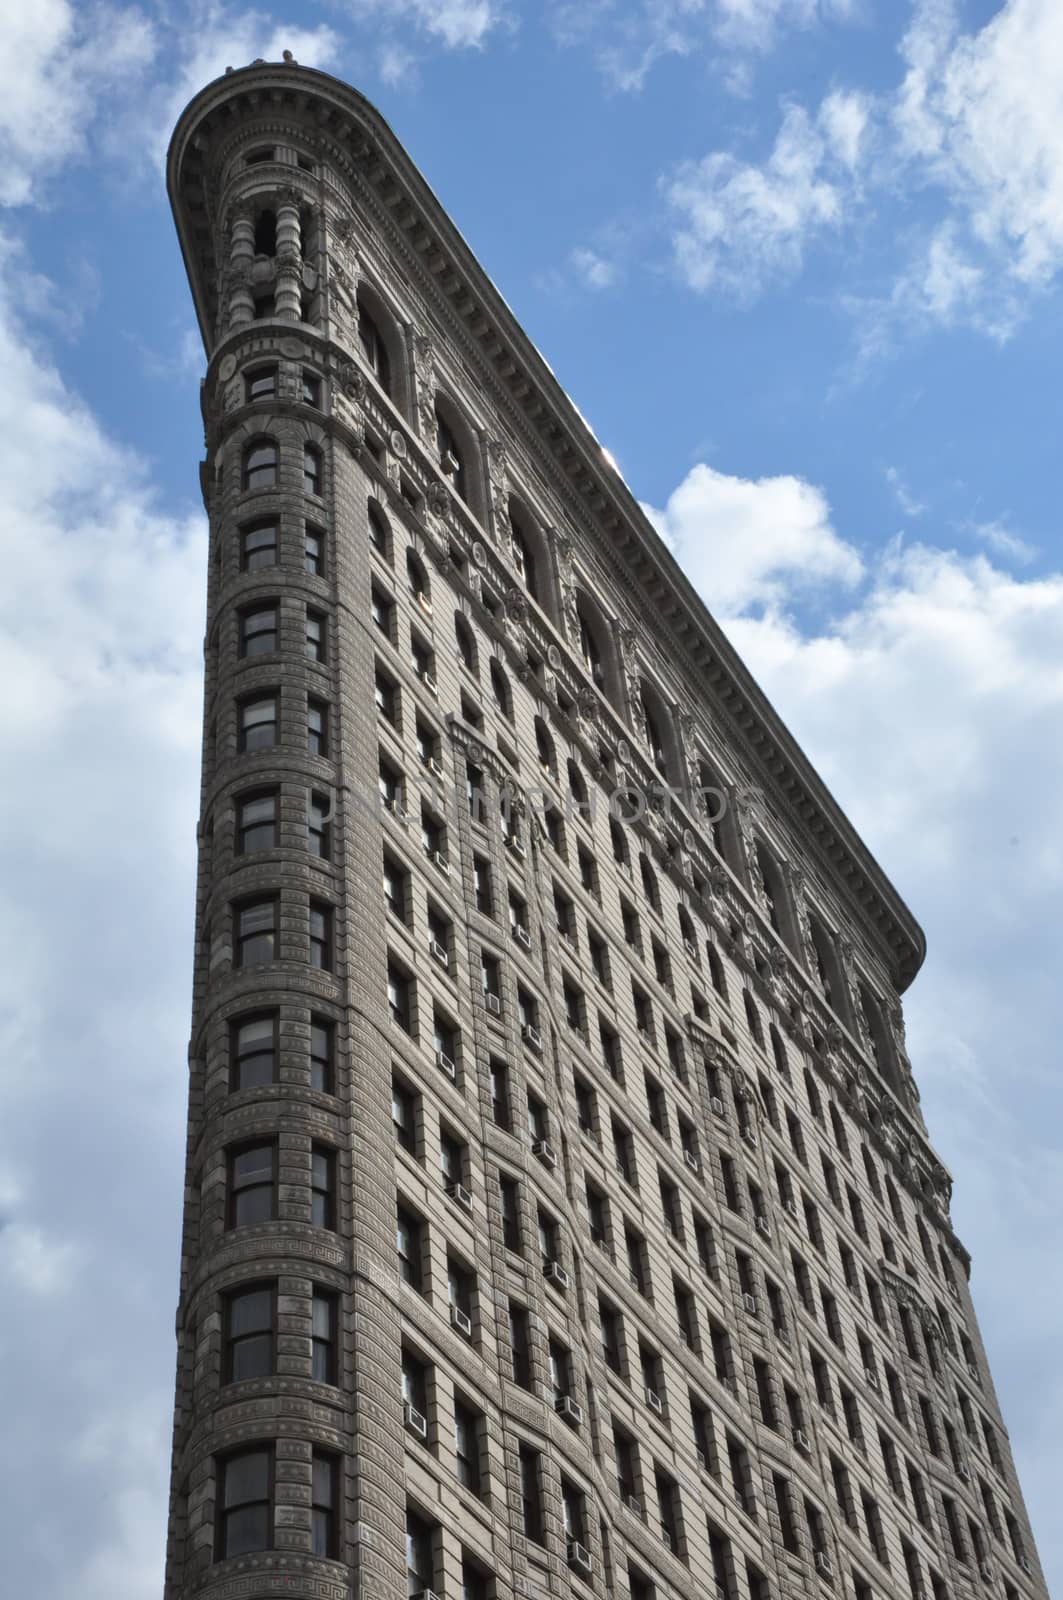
(577, 786)
(686, 928)
(450, 456)
(311, 469)
(649, 884)
(266, 233)
(588, 644)
(545, 747)
(379, 530)
(778, 1050)
(654, 738)
(881, 1044)
(373, 346)
(500, 690)
(776, 895)
(716, 971)
(417, 578)
(713, 798)
(827, 969)
(523, 554)
(466, 641)
(260, 465)
(618, 836)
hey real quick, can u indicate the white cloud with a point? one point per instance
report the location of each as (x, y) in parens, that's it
(905, 499)
(215, 38)
(931, 704)
(741, 225)
(593, 270)
(1003, 542)
(629, 41)
(57, 62)
(751, 542)
(101, 655)
(983, 114)
(457, 24)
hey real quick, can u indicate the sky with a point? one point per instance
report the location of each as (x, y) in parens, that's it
(799, 262)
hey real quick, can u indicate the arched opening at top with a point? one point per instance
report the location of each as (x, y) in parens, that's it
(717, 971)
(500, 690)
(545, 747)
(577, 785)
(454, 446)
(777, 896)
(660, 732)
(379, 529)
(596, 645)
(260, 464)
(828, 967)
(778, 1050)
(266, 232)
(527, 550)
(881, 1041)
(373, 346)
(649, 883)
(466, 642)
(417, 578)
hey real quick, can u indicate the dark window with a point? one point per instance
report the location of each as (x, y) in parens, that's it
(322, 1187)
(317, 727)
(260, 465)
(259, 629)
(255, 932)
(253, 1052)
(324, 1341)
(252, 1184)
(320, 935)
(257, 723)
(258, 546)
(322, 1055)
(311, 391)
(450, 457)
(311, 470)
(324, 1511)
(313, 550)
(318, 827)
(260, 383)
(245, 1502)
(249, 1333)
(315, 635)
(420, 1568)
(467, 1428)
(374, 349)
(531, 1494)
(409, 1240)
(256, 822)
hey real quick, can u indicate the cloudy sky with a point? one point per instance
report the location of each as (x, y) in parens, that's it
(799, 262)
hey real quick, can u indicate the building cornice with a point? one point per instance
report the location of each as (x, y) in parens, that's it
(655, 580)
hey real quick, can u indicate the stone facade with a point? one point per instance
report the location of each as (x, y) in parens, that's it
(560, 1218)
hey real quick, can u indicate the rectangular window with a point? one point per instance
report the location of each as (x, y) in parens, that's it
(324, 1513)
(321, 935)
(260, 383)
(315, 635)
(255, 932)
(259, 630)
(468, 1425)
(323, 1187)
(256, 822)
(324, 1329)
(531, 1494)
(314, 550)
(249, 1329)
(257, 723)
(245, 1503)
(253, 1052)
(520, 1344)
(316, 727)
(409, 1244)
(252, 1186)
(258, 546)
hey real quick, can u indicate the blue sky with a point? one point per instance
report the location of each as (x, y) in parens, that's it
(798, 261)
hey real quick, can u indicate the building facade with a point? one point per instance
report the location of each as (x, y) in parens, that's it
(560, 1218)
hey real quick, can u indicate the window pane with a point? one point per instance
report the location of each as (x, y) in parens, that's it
(254, 1165)
(250, 1312)
(252, 1357)
(247, 1530)
(246, 1478)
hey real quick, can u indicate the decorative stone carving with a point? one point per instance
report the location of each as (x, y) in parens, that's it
(587, 704)
(424, 377)
(516, 605)
(438, 497)
(352, 381)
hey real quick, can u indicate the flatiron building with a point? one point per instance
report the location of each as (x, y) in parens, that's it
(560, 1219)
